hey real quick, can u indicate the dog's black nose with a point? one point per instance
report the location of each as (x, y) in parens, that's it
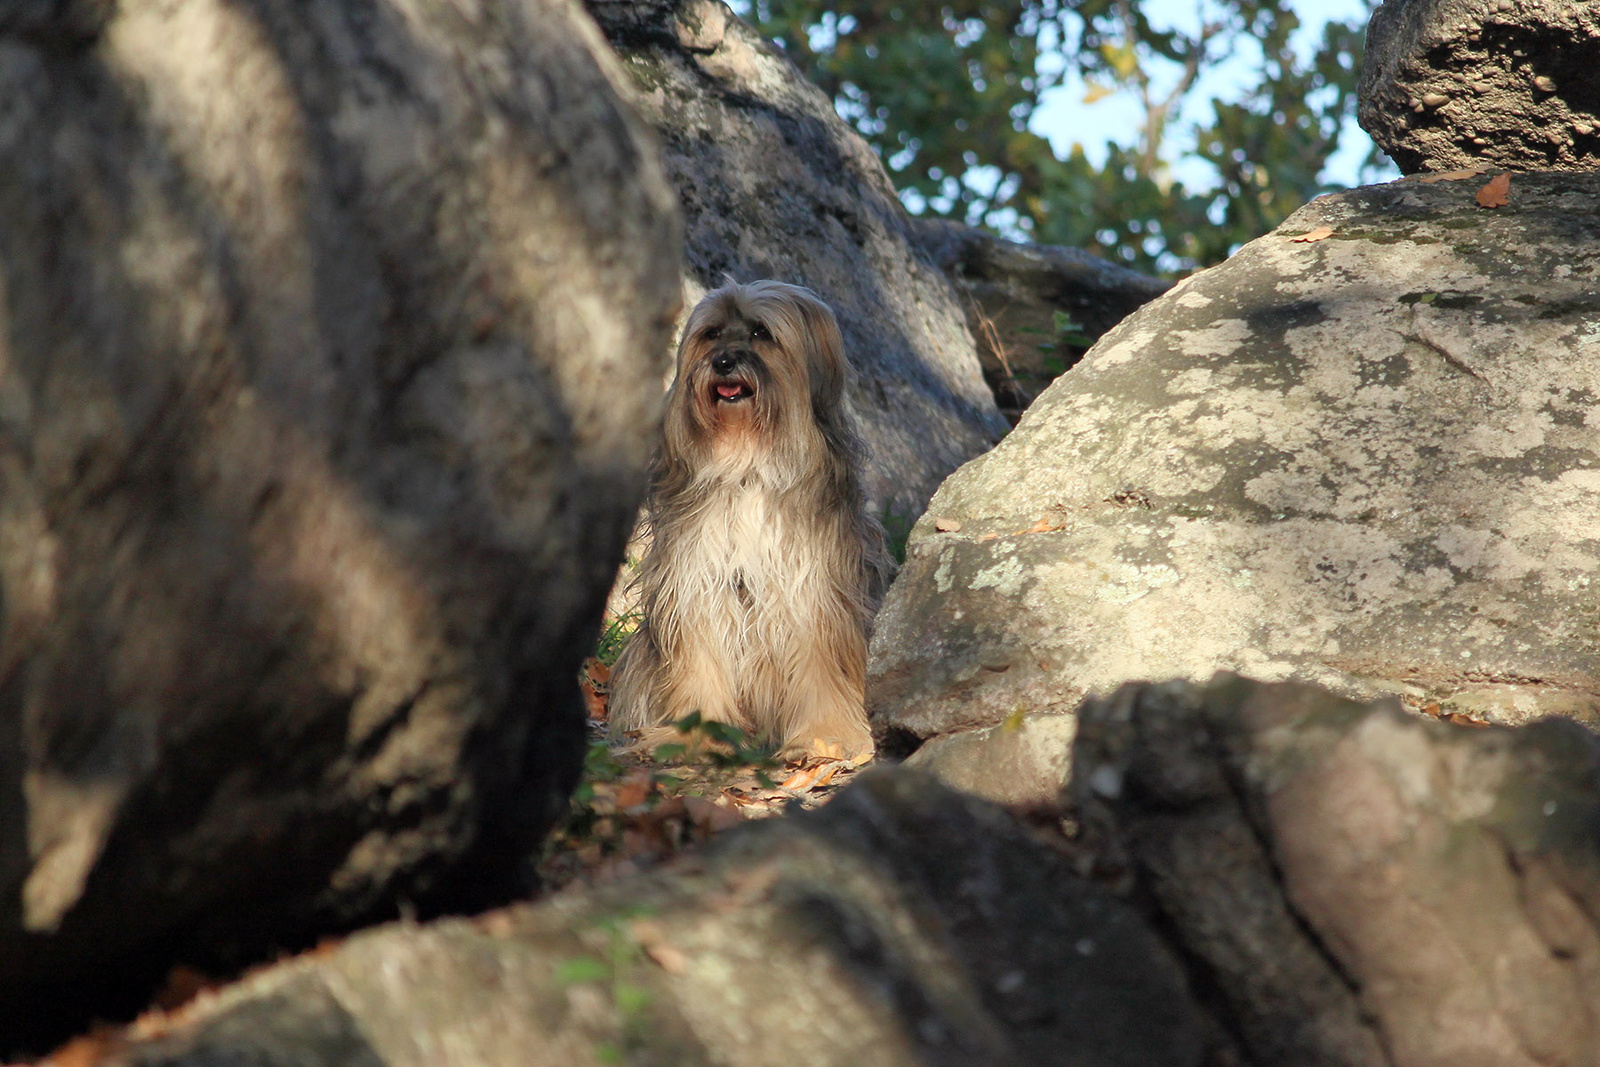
(724, 362)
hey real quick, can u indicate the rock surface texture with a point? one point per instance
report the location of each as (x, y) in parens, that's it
(1447, 84)
(775, 185)
(1370, 460)
(1025, 760)
(901, 926)
(1355, 885)
(330, 342)
(1031, 308)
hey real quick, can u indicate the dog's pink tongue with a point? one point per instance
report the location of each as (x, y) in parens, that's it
(728, 392)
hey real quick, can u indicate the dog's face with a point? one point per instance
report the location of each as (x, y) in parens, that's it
(759, 366)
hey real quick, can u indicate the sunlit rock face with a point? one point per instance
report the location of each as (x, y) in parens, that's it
(1449, 84)
(1368, 459)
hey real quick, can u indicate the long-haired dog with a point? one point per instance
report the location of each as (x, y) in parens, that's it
(765, 568)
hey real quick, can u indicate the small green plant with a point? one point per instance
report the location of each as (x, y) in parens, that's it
(623, 954)
(726, 747)
(1069, 334)
(896, 532)
(614, 636)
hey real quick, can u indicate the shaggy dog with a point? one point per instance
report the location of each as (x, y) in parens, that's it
(765, 569)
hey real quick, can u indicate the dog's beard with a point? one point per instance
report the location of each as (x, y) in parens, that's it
(759, 587)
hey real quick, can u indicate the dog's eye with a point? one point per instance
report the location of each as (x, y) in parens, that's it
(711, 333)
(759, 332)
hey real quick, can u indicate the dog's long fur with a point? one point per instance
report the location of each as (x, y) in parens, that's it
(765, 568)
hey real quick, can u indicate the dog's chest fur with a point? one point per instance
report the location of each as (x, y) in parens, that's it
(746, 554)
(746, 573)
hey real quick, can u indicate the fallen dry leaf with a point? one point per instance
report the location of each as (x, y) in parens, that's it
(653, 940)
(1452, 175)
(810, 777)
(821, 749)
(1321, 233)
(89, 1050)
(1455, 718)
(183, 984)
(947, 525)
(711, 815)
(495, 924)
(633, 791)
(592, 683)
(1497, 193)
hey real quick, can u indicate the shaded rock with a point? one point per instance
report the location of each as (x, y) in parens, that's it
(329, 348)
(775, 185)
(1446, 84)
(1032, 308)
(1353, 884)
(902, 924)
(1369, 461)
(1025, 761)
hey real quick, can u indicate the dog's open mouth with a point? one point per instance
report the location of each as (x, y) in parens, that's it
(731, 392)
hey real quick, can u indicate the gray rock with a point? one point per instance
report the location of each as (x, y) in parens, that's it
(901, 925)
(1356, 884)
(1013, 294)
(1447, 84)
(1370, 461)
(1022, 761)
(775, 185)
(330, 338)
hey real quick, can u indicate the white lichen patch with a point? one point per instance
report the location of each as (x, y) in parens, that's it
(1295, 489)
(1483, 553)
(1221, 339)
(1004, 577)
(941, 573)
(1511, 435)
(1197, 380)
(1568, 506)
(1128, 582)
(1121, 352)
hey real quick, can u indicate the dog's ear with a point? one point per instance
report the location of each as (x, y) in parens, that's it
(825, 348)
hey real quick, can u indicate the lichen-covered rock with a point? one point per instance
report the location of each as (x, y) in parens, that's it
(1449, 83)
(1024, 761)
(1370, 460)
(775, 185)
(330, 344)
(1359, 886)
(901, 926)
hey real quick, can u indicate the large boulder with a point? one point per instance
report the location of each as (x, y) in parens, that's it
(775, 185)
(901, 926)
(330, 343)
(1357, 885)
(1447, 84)
(1366, 456)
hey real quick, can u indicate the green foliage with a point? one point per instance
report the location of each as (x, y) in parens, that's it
(614, 972)
(896, 532)
(614, 637)
(945, 93)
(724, 746)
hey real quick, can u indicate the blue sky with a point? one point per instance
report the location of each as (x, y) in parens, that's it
(1065, 118)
